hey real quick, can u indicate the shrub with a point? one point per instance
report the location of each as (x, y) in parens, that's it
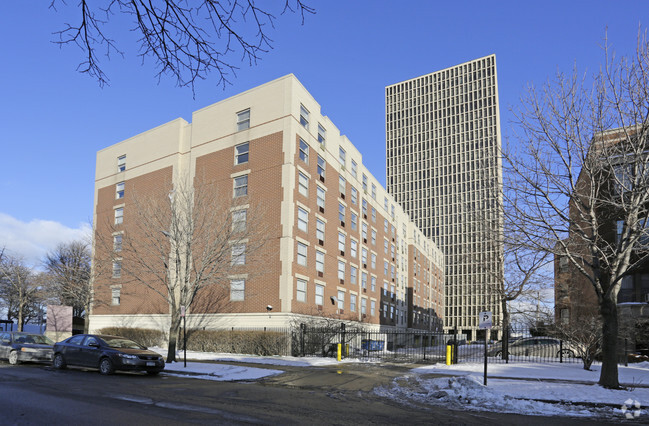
(253, 342)
(144, 336)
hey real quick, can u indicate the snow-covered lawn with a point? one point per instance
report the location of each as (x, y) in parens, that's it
(523, 388)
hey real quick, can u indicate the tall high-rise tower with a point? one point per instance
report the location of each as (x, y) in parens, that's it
(444, 168)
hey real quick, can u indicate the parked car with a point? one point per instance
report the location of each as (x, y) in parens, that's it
(106, 353)
(547, 347)
(18, 347)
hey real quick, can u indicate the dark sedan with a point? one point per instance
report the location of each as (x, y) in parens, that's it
(106, 353)
(18, 347)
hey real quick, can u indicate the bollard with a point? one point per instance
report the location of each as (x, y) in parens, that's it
(449, 354)
(340, 352)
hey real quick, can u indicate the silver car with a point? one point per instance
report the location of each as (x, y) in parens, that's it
(18, 347)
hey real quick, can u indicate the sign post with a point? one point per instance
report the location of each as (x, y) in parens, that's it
(485, 323)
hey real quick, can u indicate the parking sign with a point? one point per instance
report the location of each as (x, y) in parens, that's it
(484, 320)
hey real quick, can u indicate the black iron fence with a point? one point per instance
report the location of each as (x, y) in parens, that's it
(427, 347)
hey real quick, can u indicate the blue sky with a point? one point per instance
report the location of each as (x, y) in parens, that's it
(54, 119)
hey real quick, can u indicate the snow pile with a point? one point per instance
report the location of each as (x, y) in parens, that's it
(469, 393)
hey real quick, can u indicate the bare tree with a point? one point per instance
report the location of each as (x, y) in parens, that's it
(20, 290)
(184, 246)
(187, 40)
(579, 172)
(68, 270)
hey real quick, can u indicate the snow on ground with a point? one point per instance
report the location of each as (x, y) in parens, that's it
(523, 388)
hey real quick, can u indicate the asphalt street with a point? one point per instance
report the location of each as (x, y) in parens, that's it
(34, 395)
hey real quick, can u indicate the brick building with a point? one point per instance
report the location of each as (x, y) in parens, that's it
(337, 244)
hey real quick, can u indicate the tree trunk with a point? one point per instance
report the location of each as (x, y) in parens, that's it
(86, 319)
(505, 345)
(21, 307)
(174, 331)
(608, 376)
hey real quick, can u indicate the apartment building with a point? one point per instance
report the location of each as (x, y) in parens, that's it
(443, 167)
(337, 245)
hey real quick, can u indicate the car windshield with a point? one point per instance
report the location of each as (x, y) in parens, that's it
(32, 338)
(121, 343)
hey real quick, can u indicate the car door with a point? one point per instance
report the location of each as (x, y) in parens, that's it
(71, 350)
(90, 352)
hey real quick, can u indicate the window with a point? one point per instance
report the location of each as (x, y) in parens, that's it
(342, 186)
(243, 120)
(241, 153)
(303, 184)
(117, 243)
(115, 295)
(320, 197)
(353, 248)
(341, 212)
(373, 288)
(353, 274)
(117, 269)
(301, 291)
(239, 220)
(341, 270)
(373, 192)
(364, 256)
(385, 267)
(373, 260)
(304, 151)
(385, 203)
(354, 222)
(121, 163)
(301, 254)
(319, 261)
(354, 169)
(354, 196)
(341, 241)
(364, 208)
(119, 215)
(364, 231)
(320, 229)
(304, 117)
(119, 190)
(373, 215)
(319, 294)
(342, 156)
(372, 307)
(565, 315)
(241, 186)
(373, 236)
(385, 226)
(237, 290)
(341, 299)
(352, 302)
(364, 183)
(385, 246)
(302, 220)
(364, 279)
(385, 310)
(322, 165)
(322, 134)
(238, 253)
(363, 306)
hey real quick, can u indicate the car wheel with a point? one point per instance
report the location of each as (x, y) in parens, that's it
(58, 362)
(566, 353)
(13, 358)
(106, 366)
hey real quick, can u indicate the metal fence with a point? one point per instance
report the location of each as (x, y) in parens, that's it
(426, 347)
